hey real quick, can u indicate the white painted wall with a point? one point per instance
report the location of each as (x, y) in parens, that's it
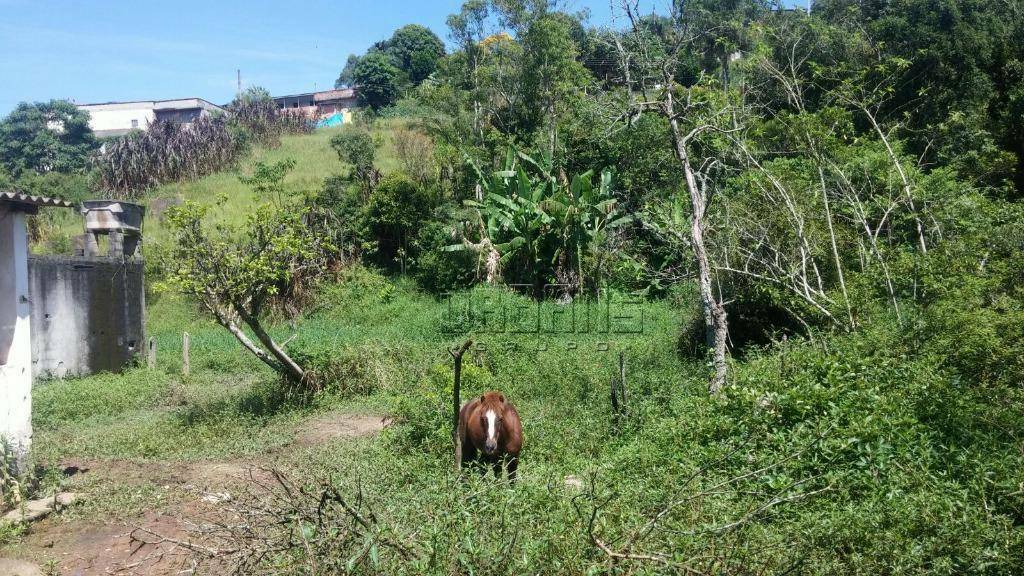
(119, 115)
(15, 338)
(120, 118)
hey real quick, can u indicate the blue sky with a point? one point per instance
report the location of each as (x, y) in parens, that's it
(100, 51)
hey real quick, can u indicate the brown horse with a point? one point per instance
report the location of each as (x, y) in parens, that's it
(490, 432)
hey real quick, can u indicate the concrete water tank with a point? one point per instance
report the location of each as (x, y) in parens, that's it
(120, 221)
(113, 215)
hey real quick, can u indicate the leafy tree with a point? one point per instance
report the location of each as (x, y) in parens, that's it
(551, 74)
(415, 50)
(961, 58)
(235, 271)
(347, 77)
(469, 28)
(598, 54)
(500, 104)
(45, 137)
(723, 30)
(378, 80)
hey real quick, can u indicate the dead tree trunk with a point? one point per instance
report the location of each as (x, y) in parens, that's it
(277, 359)
(835, 248)
(715, 321)
(287, 366)
(716, 328)
(908, 193)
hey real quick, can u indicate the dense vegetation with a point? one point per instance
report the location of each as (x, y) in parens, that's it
(819, 212)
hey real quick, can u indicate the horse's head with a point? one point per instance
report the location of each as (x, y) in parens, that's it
(492, 415)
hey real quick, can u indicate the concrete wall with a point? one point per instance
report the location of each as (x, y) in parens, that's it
(87, 314)
(118, 118)
(115, 118)
(15, 334)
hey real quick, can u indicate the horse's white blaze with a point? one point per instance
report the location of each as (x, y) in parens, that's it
(491, 418)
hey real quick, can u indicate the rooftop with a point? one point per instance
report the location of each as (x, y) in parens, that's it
(172, 104)
(324, 95)
(33, 202)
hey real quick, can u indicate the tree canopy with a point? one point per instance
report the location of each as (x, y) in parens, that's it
(404, 60)
(415, 51)
(379, 81)
(46, 137)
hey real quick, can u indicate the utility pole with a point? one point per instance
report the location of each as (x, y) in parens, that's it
(238, 72)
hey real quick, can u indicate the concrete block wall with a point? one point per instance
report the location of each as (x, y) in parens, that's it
(87, 314)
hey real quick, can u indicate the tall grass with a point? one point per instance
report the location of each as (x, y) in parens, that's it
(167, 152)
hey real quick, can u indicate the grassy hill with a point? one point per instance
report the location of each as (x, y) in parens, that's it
(314, 158)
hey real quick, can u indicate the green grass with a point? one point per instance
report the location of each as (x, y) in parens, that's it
(899, 492)
(887, 461)
(315, 161)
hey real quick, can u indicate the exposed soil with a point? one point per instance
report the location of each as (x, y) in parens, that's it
(158, 542)
(85, 548)
(330, 427)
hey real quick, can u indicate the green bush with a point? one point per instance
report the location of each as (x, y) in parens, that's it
(439, 270)
(397, 209)
(355, 146)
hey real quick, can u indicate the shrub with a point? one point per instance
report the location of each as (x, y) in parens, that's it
(355, 146)
(398, 207)
(415, 153)
(340, 211)
(343, 372)
(439, 270)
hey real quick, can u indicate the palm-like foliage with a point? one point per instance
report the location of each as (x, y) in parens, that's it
(534, 229)
(585, 214)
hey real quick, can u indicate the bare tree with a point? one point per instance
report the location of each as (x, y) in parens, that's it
(690, 116)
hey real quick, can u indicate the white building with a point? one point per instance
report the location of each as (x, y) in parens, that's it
(117, 118)
(15, 312)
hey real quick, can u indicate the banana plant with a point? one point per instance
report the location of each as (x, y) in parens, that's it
(531, 223)
(585, 214)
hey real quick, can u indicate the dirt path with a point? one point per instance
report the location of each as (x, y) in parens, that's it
(157, 541)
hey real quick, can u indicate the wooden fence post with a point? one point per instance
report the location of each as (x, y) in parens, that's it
(456, 354)
(151, 353)
(185, 362)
